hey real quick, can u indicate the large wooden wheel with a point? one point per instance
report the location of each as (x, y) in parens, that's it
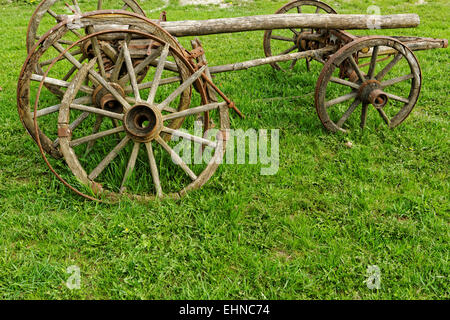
(50, 12)
(110, 64)
(377, 71)
(284, 41)
(138, 152)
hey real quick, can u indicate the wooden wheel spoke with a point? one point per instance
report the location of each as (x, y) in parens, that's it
(73, 69)
(384, 116)
(73, 125)
(317, 10)
(49, 61)
(389, 67)
(70, 8)
(397, 98)
(357, 69)
(72, 59)
(299, 9)
(281, 38)
(96, 136)
(99, 4)
(176, 158)
(190, 137)
(293, 64)
(184, 86)
(154, 169)
(391, 82)
(131, 72)
(53, 14)
(169, 65)
(347, 113)
(97, 52)
(344, 82)
(95, 129)
(289, 50)
(76, 6)
(373, 62)
(158, 73)
(59, 83)
(109, 158)
(308, 64)
(193, 111)
(147, 85)
(120, 60)
(364, 110)
(294, 31)
(78, 121)
(130, 166)
(140, 67)
(341, 99)
(118, 116)
(55, 108)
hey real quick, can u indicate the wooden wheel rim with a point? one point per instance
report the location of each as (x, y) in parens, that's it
(348, 51)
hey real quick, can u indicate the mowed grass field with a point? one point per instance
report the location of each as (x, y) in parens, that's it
(308, 232)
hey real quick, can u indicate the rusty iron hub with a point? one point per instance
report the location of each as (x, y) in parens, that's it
(143, 122)
(307, 40)
(103, 99)
(371, 92)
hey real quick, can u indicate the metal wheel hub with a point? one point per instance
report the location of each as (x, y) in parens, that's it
(307, 40)
(371, 92)
(103, 99)
(143, 122)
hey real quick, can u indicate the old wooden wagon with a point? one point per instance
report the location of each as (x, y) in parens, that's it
(104, 81)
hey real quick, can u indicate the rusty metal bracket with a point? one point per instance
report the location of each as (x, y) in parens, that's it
(64, 132)
(197, 52)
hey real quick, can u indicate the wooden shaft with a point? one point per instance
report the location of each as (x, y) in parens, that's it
(263, 61)
(284, 21)
(263, 22)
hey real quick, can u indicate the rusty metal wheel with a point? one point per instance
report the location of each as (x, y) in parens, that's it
(51, 12)
(278, 42)
(110, 64)
(378, 71)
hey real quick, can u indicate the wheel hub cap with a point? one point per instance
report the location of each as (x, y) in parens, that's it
(143, 122)
(371, 92)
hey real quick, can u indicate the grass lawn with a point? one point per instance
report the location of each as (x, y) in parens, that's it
(308, 232)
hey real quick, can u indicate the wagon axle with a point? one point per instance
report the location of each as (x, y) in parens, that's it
(370, 92)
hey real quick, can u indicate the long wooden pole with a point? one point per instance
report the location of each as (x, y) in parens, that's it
(259, 62)
(284, 21)
(265, 22)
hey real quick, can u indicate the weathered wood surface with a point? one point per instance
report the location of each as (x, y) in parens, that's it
(413, 43)
(259, 62)
(262, 22)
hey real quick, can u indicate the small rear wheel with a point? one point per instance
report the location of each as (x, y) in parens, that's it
(381, 72)
(278, 42)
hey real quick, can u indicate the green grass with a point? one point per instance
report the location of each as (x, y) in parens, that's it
(308, 232)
